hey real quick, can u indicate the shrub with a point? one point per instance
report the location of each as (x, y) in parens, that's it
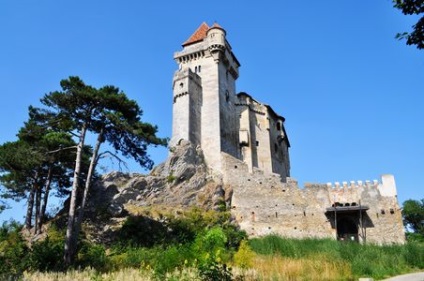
(243, 258)
(92, 255)
(13, 251)
(212, 255)
(142, 232)
(46, 255)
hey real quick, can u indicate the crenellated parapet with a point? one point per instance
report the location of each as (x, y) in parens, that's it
(386, 186)
(353, 184)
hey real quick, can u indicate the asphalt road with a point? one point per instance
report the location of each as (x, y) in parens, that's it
(419, 276)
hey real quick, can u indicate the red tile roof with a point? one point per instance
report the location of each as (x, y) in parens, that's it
(198, 35)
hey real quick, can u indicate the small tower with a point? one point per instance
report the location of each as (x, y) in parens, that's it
(204, 93)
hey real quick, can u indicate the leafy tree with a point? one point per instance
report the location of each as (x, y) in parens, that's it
(39, 161)
(57, 162)
(413, 215)
(19, 164)
(107, 113)
(412, 7)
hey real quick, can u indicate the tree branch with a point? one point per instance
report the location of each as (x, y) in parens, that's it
(120, 161)
(61, 149)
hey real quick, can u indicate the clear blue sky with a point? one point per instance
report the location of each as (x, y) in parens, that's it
(351, 94)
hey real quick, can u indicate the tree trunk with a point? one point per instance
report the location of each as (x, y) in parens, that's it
(37, 208)
(91, 169)
(45, 200)
(30, 207)
(71, 235)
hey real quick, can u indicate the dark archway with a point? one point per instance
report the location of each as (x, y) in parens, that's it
(347, 229)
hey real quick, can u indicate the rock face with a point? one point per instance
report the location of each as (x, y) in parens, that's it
(182, 180)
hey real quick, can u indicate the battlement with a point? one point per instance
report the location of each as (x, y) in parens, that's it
(353, 184)
(386, 185)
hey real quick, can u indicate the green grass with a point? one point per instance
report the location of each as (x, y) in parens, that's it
(365, 260)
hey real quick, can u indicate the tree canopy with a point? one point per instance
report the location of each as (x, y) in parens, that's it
(413, 215)
(412, 7)
(35, 164)
(107, 113)
(51, 150)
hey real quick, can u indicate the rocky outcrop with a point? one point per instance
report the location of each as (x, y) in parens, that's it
(182, 180)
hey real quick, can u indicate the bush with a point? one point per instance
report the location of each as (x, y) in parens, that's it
(243, 258)
(139, 231)
(13, 251)
(212, 255)
(92, 255)
(46, 255)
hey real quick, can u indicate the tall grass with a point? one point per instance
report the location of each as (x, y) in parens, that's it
(364, 260)
(127, 274)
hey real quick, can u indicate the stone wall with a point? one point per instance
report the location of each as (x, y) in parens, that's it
(263, 140)
(262, 204)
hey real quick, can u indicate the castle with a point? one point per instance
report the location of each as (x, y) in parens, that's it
(245, 141)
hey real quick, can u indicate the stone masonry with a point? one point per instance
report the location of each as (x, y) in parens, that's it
(245, 142)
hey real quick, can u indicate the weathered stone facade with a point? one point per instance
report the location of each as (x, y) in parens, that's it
(208, 112)
(246, 143)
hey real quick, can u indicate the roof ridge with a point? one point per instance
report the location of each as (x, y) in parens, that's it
(198, 35)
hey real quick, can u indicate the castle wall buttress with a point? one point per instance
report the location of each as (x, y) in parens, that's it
(228, 112)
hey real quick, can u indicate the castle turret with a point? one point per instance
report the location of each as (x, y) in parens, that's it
(187, 88)
(216, 40)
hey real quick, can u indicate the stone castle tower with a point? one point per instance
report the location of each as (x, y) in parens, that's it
(246, 143)
(208, 112)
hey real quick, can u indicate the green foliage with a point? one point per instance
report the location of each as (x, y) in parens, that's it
(13, 250)
(413, 215)
(143, 232)
(243, 258)
(92, 255)
(412, 7)
(166, 260)
(46, 255)
(212, 256)
(414, 254)
(171, 178)
(414, 237)
(133, 257)
(197, 238)
(215, 271)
